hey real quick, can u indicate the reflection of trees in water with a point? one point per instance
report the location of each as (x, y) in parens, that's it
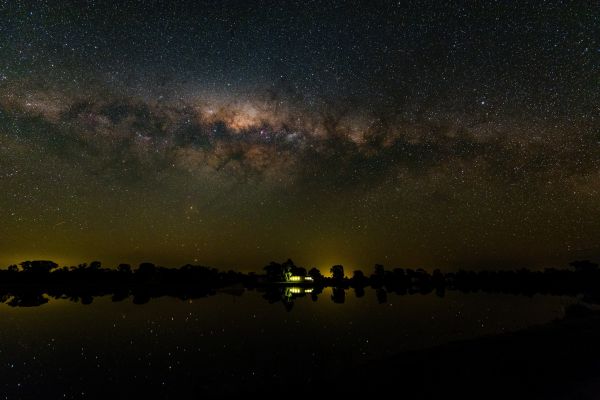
(29, 283)
(381, 296)
(286, 294)
(338, 295)
(359, 292)
(27, 300)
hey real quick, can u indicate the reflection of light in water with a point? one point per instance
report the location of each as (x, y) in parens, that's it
(289, 291)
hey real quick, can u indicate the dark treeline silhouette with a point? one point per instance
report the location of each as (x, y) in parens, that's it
(27, 284)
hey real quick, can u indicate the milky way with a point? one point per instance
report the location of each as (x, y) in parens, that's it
(233, 134)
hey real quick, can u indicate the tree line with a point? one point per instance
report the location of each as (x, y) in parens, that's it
(26, 284)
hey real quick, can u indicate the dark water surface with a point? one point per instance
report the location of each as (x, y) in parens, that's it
(229, 343)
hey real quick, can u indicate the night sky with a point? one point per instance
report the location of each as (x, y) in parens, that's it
(232, 133)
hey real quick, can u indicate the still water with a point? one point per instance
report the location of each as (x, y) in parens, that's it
(233, 342)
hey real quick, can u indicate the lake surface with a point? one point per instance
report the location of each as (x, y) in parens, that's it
(229, 343)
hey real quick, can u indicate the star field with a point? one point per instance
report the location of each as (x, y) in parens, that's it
(232, 133)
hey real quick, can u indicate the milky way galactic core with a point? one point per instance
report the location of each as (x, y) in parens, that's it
(233, 133)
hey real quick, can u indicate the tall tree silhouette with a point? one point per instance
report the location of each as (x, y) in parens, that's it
(315, 274)
(337, 272)
(274, 271)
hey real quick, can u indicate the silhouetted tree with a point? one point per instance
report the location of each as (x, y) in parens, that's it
(299, 271)
(145, 271)
(274, 271)
(38, 266)
(82, 283)
(358, 276)
(337, 272)
(315, 274)
(379, 271)
(124, 268)
(289, 269)
(95, 265)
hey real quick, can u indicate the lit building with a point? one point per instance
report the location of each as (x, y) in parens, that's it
(298, 278)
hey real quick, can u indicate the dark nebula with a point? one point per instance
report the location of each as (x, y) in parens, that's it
(232, 133)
